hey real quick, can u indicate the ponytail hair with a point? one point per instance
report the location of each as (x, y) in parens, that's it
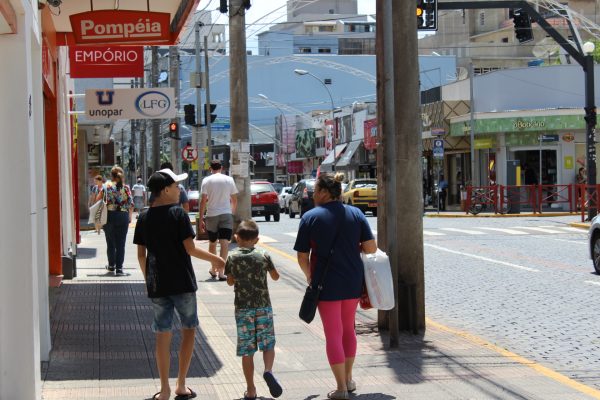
(331, 183)
(118, 175)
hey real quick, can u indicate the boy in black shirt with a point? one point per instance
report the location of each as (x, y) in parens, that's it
(165, 240)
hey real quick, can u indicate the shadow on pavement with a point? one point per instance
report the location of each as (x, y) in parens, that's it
(86, 252)
(102, 331)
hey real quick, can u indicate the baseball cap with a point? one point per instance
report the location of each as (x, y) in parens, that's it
(163, 178)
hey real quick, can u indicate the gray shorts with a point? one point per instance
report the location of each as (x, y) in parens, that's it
(219, 227)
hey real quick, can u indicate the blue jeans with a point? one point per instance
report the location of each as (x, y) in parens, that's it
(163, 307)
(115, 232)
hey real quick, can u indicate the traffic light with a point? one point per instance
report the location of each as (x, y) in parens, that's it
(209, 113)
(174, 130)
(522, 22)
(427, 15)
(190, 114)
(223, 6)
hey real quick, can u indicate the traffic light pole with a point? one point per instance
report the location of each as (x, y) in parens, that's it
(208, 121)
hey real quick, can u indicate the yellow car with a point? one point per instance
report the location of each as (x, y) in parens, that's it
(362, 193)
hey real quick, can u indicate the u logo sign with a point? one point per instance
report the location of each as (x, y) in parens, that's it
(101, 94)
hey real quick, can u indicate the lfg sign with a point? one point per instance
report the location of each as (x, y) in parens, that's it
(120, 26)
(106, 61)
(116, 104)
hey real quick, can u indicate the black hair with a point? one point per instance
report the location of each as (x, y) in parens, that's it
(166, 164)
(331, 183)
(247, 230)
(215, 165)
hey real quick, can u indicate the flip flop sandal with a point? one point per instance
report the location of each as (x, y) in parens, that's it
(338, 395)
(190, 395)
(249, 398)
(212, 274)
(274, 386)
(351, 386)
(155, 396)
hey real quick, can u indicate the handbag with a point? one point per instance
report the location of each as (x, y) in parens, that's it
(308, 307)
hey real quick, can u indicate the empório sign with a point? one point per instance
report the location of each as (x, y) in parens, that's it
(106, 61)
(120, 26)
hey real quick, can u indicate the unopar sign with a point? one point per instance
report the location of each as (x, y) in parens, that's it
(120, 26)
(106, 61)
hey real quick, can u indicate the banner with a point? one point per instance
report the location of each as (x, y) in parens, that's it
(116, 104)
(306, 143)
(370, 137)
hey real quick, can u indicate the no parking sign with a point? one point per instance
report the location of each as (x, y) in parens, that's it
(189, 154)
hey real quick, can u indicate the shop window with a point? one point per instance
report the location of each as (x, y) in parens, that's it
(305, 50)
(324, 50)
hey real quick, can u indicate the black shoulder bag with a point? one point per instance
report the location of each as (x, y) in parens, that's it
(308, 308)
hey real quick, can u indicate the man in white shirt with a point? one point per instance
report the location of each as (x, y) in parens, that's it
(219, 199)
(139, 195)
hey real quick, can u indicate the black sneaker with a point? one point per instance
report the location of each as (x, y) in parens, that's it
(109, 268)
(120, 273)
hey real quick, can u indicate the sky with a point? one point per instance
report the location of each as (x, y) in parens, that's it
(262, 13)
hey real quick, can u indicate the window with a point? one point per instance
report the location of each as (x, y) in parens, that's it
(305, 50)
(324, 50)
(504, 40)
(325, 28)
(356, 46)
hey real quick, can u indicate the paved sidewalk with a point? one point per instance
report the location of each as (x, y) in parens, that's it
(103, 347)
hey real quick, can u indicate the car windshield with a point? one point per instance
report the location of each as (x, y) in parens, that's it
(260, 188)
(310, 185)
(365, 184)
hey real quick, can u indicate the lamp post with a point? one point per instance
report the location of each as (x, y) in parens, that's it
(334, 141)
(590, 126)
(264, 97)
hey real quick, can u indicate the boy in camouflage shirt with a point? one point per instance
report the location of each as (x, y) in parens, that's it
(246, 269)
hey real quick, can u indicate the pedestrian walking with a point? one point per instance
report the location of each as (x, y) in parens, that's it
(246, 269)
(219, 199)
(336, 234)
(443, 192)
(139, 195)
(183, 198)
(95, 189)
(119, 204)
(165, 241)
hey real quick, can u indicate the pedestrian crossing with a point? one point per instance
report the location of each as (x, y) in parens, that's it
(480, 231)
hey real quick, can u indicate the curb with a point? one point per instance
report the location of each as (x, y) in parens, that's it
(553, 214)
(580, 225)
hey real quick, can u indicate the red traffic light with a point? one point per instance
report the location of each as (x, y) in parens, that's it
(173, 127)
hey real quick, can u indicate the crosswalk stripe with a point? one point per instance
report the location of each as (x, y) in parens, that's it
(505, 230)
(571, 229)
(432, 233)
(538, 229)
(467, 231)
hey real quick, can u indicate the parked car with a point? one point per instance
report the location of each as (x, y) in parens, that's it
(277, 186)
(362, 193)
(301, 199)
(283, 195)
(194, 200)
(594, 241)
(264, 200)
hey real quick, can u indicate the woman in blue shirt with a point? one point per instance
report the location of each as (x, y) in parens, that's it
(345, 229)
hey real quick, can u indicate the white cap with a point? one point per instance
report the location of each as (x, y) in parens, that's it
(176, 178)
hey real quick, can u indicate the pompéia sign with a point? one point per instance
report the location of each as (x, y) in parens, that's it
(120, 26)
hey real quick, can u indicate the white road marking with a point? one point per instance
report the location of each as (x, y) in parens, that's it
(505, 230)
(571, 241)
(292, 234)
(567, 228)
(432, 233)
(593, 283)
(265, 239)
(538, 229)
(467, 231)
(507, 264)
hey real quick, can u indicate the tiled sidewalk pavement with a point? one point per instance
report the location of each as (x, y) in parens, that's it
(103, 347)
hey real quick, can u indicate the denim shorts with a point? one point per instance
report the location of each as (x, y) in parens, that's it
(254, 330)
(163, 308)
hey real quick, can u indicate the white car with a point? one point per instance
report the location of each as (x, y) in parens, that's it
(283, 196)
(594, 243)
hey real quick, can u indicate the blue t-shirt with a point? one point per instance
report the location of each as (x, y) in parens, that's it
(316, 234)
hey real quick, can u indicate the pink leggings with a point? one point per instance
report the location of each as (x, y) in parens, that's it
(338, 324)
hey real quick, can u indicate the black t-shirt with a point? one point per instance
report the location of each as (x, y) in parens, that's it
(169, 268)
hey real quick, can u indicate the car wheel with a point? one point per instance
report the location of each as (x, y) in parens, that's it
(276, 217)
(596, 252)
(268, 217)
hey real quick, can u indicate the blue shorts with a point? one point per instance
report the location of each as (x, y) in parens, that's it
(254, 330)
(163, 308)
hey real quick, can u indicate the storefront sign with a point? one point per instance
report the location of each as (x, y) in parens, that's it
(437, 132)
(106, 62)
(115, 104)
(370, 135)
(120, 26)
(295, 167)
(523, 125)
(485, 142)
(568, 137)
(568, 162)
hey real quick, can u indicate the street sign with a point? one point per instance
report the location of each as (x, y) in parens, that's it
(549, 138)
(438, 148)
(189, 154)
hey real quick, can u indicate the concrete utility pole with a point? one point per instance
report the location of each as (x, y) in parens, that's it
(196, 136)
(133, 124)
(238, 93)
(207, 88)
(155, 122)
(398, 107)
(174, 81)
(143, 146)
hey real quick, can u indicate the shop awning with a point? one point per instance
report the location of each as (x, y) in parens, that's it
(329, 160)
(348, 154)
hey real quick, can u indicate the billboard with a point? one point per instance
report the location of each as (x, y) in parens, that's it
(116, 104)
(306, 143)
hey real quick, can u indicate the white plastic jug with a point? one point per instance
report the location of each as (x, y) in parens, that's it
(378, 279)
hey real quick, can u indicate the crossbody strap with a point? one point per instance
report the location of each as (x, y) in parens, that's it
(331, 251)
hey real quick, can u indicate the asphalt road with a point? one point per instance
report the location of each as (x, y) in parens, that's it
(524, 284)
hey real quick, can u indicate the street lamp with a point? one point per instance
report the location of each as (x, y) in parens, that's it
(305, 72)
(590, 119)
(264, 97)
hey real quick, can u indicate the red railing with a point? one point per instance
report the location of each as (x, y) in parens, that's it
(501, 198)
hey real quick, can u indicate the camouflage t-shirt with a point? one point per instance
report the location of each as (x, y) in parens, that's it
(249, 269)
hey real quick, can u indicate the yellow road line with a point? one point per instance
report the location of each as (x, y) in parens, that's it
(274, 250)
(519, 359)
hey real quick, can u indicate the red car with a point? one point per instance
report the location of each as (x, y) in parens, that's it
(265, 200)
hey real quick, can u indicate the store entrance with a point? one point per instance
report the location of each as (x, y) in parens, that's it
(530, 166)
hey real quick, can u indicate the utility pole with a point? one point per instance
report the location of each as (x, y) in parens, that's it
(197, 129)
(400, 165)
(207, 87)
(238, 90)
(155, 122)
(174, 80)
(132, 163)
(143, 146)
